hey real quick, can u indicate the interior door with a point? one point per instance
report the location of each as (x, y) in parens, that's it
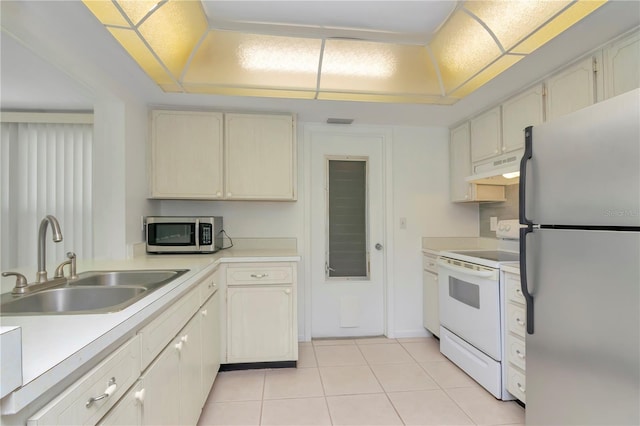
(346, 302)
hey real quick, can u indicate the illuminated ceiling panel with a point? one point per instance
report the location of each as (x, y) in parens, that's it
(175, 43)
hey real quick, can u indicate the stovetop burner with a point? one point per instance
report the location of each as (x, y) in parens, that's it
(493, 255)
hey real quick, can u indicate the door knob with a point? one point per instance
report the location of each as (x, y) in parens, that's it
(378, 246)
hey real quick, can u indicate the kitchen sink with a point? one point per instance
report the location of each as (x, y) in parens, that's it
(92, 292)
(149, 279)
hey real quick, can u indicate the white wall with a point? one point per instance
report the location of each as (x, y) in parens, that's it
(421, 195)
(420, 174)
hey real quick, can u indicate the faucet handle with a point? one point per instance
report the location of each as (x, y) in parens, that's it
(21, 282)
(72, 267)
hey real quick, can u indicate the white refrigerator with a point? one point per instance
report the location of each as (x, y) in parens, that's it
(580, 265)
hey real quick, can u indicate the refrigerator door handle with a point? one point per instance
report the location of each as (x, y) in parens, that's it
(528, 152)
(523, 276)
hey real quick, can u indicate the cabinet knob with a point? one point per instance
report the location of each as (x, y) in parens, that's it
(287, 291)
(496, 151)
(520, 354)
(520, 322)
(229, 194)
(204, 312)
(185, 338)
(521, 388)
(504, 148)
(139, 396)
(178, 346)
(218, 194)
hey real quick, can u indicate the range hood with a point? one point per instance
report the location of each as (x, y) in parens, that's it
(503, 170)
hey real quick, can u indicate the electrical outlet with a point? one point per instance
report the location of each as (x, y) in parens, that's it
(493, 223)
(403, 223)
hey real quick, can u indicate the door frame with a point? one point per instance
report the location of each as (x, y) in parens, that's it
(386, 134)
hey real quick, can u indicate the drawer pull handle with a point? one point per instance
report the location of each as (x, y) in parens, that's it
(259, 275)
(523, 390)
(204, 312)
(111, 388)
(520, 354)
(520, 322)
(139, 396)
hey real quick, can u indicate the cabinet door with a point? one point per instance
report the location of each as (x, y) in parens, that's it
(190, 395)
(260, 160)
(260, 324)
(161, 405)
(571, 89)
(430, 305)
(186, 155)
(622, 66)
(460, 163)
(127, 412)
(519, 112)
(486, 135)
(210, 343)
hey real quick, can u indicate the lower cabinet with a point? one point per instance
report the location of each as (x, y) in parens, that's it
(430, 292)
(261, 313)
(210, 344)
(173, 388)
(515, 339)
(260, 321)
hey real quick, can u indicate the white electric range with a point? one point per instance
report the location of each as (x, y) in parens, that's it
(472, 309)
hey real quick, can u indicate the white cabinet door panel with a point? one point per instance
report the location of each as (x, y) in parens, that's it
(622, 66)
(571, 89)
(519, 112)
(486, 135)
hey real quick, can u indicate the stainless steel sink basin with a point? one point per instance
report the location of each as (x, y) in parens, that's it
(93, 292)
(149, 279)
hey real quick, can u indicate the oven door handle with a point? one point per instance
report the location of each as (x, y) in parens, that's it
(483, 274)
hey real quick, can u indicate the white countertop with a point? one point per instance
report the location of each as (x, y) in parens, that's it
(57, 346)
(434, 245)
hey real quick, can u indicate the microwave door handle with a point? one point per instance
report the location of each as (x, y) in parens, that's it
(483, 274)
(197, 236)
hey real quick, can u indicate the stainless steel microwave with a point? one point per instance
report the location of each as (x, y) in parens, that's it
(183, 234)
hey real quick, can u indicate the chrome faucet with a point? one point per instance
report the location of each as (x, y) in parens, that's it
(41, 275)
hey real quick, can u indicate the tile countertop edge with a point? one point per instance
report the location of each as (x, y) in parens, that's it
(63, 370)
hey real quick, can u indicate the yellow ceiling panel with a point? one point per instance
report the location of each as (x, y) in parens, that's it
(486, 75)
(462, 47)
(173, 31)
(384, 97)
(513, 20)
(227, 58)
(138, 50)
(361, 66)
(137, 9)
(106, 12)
(248, 91)
(573, 14)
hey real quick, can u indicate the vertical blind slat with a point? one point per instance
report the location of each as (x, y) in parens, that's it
(46, 169)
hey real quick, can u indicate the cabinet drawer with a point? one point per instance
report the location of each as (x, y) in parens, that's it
(516, 319)
(156, 335)
(259, 275)
(429, 263)
(514, 290)
(70, 408)
(516, 383)
(516, 351)
(208, 286)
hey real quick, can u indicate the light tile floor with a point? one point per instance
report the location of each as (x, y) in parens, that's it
(372, 381)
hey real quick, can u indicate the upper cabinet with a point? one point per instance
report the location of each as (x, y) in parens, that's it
(260, 157)
(186, 154)
(216, 156)
(460, 163)
(573, 88)
(486, 135)
(519, 112)
(460, 168)
(621, 65)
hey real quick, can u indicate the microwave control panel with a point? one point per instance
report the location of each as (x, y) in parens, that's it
(206, 237)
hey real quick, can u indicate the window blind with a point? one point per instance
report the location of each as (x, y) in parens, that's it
(46, 168)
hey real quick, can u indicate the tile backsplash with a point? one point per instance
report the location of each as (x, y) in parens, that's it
(503, 210)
